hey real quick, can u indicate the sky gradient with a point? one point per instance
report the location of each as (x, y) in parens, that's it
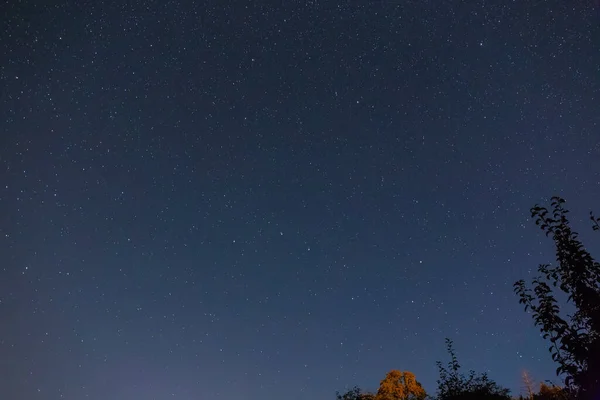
(268, 200)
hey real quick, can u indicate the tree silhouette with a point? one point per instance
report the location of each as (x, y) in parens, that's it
(355, 393)
(399, 385)
(575, 343)
(453, 385)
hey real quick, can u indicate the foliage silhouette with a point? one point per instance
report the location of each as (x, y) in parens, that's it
(355, 393)
(575, 343)
(453, 385)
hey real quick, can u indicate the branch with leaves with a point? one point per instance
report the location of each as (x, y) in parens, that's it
(575, 343)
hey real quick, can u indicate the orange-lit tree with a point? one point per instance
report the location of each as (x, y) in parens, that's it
(399, 385)
(396, 385)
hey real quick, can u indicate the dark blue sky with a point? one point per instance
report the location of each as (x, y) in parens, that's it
(279, 200)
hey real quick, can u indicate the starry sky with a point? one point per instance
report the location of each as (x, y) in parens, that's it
(264, 200)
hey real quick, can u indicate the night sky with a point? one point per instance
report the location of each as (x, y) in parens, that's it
(269, 200)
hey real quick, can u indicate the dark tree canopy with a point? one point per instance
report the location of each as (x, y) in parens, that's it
(453, 385)
(355, 393)
(575, 341)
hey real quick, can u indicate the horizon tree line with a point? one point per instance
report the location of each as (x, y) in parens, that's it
(574, 339)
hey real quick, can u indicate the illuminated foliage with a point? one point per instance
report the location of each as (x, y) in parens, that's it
(551, 392)
(548, 392)
(399, 385)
